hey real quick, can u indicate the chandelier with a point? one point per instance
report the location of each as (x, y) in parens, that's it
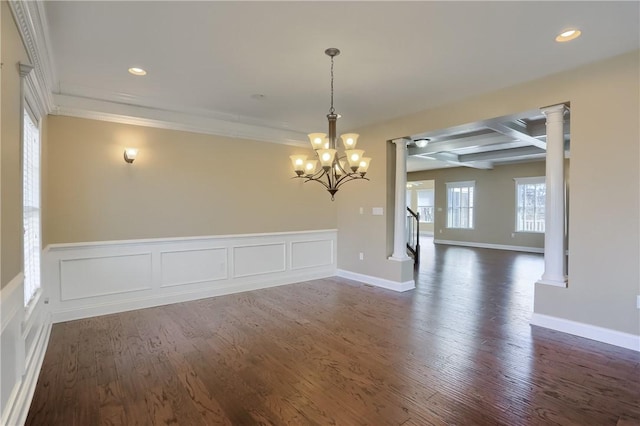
(335, 169)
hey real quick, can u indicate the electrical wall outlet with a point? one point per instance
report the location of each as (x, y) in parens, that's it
(361, 256)
(638, 302)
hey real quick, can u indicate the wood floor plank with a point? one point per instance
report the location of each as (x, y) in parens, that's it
(457, 350)
(207, 407)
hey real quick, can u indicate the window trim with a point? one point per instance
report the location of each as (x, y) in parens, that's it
(433, 207)
(463, 184)
(29, 105)
(531, 180)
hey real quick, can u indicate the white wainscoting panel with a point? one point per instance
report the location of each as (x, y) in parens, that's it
(24, 335)
(11, 345)
(307, 254)
(193, 266)
(258, 259)
(98, 278)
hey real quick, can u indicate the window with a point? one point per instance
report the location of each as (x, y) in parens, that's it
(530, 199)
(31, 205)
(460, 204)
(425, 205)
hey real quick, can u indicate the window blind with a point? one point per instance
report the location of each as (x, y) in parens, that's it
(31, 206)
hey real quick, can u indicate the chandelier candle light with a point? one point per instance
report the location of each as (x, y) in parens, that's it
(334, 171)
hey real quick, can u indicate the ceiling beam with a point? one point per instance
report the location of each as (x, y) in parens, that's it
(502, 154)
(538, 128)
(455, 142)
(454, 160)
(515, 131)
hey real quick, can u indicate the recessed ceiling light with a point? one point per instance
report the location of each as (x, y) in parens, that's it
(568, 35)
(137, 71)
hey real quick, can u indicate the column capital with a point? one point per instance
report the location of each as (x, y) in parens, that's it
(24, 69)
(554, 109)
(400, 141)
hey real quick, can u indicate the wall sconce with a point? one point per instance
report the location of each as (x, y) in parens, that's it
(130, 154)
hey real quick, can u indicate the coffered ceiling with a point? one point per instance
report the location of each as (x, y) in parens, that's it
(258, 69)
(482, 145)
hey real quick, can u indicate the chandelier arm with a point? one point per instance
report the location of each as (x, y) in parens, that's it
(317, 175)
(351, 176)
(349, 180)
(330, 181)
(340, 165)
(319, 181)
(344, 179)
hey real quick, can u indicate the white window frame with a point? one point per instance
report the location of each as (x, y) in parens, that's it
(470, 209)
(32, 105)
(432, 204)
(535, 180)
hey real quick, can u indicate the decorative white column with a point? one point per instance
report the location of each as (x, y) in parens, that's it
(554, 218)
(400, 218)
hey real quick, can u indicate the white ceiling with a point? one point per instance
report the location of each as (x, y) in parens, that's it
(209, 58)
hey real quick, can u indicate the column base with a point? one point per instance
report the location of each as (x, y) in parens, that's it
(554, 282)
(399, 258)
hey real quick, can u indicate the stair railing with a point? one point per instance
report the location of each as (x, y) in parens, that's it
(413, 234)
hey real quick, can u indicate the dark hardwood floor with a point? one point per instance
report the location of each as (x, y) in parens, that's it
(457, 350)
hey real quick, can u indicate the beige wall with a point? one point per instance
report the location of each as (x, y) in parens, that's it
(13, 52)
(366, 233)
(605, 186)
(181, 184)
(495, 201)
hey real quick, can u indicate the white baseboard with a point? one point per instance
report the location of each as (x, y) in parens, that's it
(600, 334)
(100, 278)
(490, 246)
(378, 282)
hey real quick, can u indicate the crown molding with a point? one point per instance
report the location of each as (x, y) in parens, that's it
(34, 30)
(90, 103)
(96, 109)
(157, 104)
